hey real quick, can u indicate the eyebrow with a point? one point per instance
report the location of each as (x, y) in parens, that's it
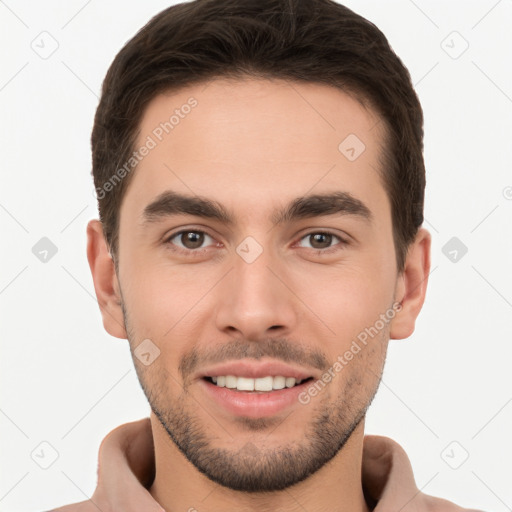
(171, 203)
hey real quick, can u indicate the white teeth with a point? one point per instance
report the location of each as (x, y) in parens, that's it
(290, 382)
(231, 381)
(268, 383)
(279, 383)
(263, 384)
(243, 384)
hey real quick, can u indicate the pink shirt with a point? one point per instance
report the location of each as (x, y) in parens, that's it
(387, 476)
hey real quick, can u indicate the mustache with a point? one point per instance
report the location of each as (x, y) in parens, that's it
(275, 348)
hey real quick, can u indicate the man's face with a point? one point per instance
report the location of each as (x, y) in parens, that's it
(297, 292)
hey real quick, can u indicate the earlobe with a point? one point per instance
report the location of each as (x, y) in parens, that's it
(104, 276)
(412, 286)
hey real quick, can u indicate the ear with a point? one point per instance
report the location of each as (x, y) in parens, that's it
(412, 286)
(105, 280)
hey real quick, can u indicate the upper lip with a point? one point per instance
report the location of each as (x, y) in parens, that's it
(254, 370)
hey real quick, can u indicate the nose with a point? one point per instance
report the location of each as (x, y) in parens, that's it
(255, 300)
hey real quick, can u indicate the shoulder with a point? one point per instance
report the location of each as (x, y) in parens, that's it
(388, 475)
(433, 504)
(82, 506)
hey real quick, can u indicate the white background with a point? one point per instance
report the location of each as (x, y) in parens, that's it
(65, 381)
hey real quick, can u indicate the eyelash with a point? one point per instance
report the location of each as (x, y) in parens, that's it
(199, 251)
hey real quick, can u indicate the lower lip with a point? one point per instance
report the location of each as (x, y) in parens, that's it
(253, 404)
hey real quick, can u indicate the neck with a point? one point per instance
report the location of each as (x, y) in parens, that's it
(337, 486)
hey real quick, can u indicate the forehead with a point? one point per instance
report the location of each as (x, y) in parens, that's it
(254, 140)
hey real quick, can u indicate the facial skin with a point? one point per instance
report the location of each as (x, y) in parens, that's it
(253, 146)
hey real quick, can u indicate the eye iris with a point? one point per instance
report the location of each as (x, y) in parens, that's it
(323, 238)
(192, 239)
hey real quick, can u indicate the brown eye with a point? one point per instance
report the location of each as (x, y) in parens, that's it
(320, 240)
(192, 239)
(189, 239)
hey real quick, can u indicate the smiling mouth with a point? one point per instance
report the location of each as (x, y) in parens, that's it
(258, 385)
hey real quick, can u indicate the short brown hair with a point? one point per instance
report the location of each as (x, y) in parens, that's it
(318, 41)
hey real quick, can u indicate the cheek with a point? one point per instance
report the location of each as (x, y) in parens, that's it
(164, 306)
(160, 295)
(348, 300)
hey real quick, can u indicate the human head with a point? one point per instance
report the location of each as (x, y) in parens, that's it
(315, 41)
(251, 142)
